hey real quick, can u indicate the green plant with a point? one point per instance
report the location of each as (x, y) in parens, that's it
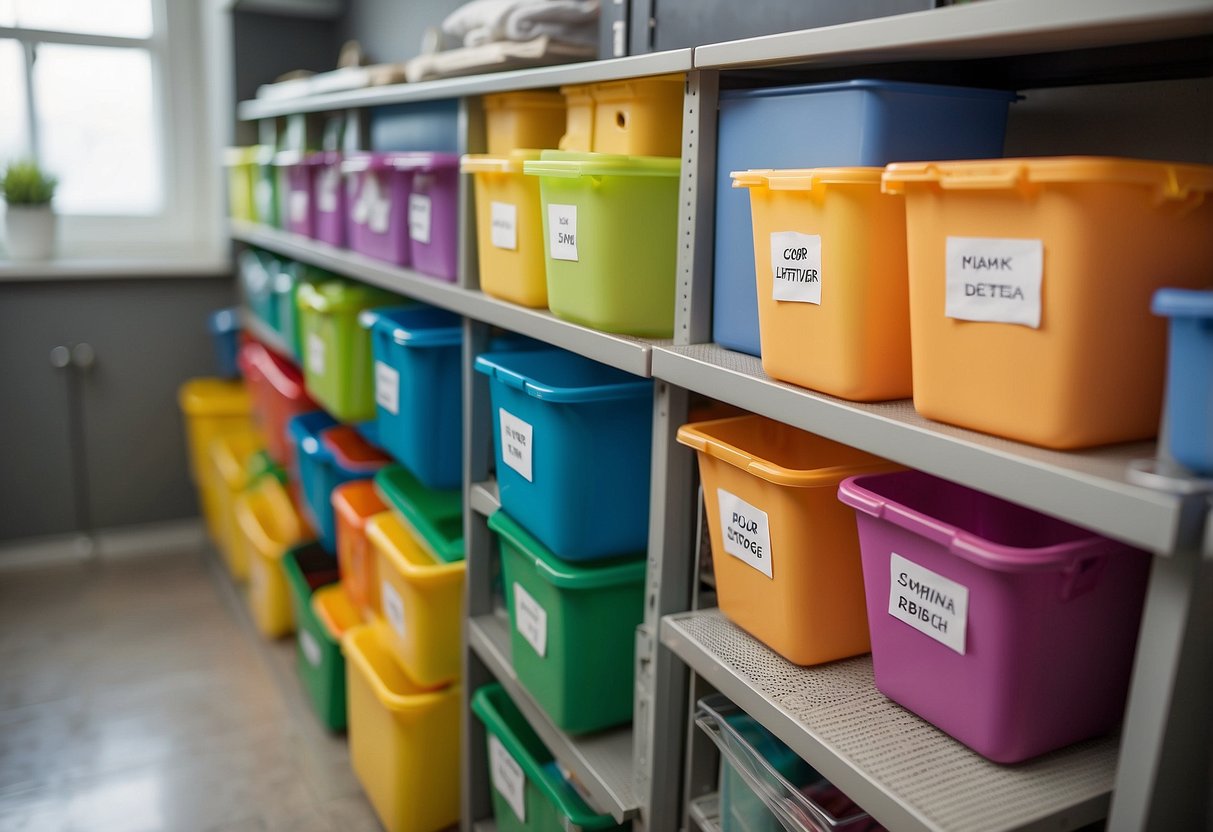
(24, 183)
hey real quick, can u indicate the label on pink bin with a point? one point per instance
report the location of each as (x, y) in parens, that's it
(928, 602)
(746, 532)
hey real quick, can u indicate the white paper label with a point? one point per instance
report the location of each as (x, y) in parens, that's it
(517, 444)
(796, 266)
(531, 620)
(996, 280)
(507, 777)
(311, 650)
(298, 207)
(562, 231)
(315, 353)
(928, 602)
(747, 535)
(505, 225)
(387, 388)
(393, 607)
(373, 207)
(263, 195)
(419, 218)
(327, 183)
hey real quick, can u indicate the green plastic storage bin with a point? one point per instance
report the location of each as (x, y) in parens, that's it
(529, 794)
(437, 516)
(610, 226)
(572, 628)
(318, 656)
(336, 349)
(265, 188)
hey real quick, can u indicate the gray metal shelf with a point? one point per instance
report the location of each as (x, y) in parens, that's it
(625, 352)
(704, 812)
(263, 333)
(602, 762)
(586, 72)
(1089, 488)
(975, 30)
(902, 770)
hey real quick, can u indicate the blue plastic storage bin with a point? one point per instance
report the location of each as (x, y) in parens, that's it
(311, 460)
(1189, 410)
(840, 124)
(225, 335)
(576, 466)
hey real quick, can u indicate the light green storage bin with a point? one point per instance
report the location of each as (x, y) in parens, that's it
(286, 286)
(610, 227)
(529, 794)
(572, 628)
(336, 349)
(241, 175)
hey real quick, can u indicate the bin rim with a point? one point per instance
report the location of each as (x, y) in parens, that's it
(323, 157)
(490, 364)
(289, 158)
(351, 452)
(408, 325)
(282, 375)
(603, 164)
(873, 84)
(231, 461)
(563, 574)
(268, 495)
(420, 700)
(351, 498)
(336, 612)
(526, 98)
(305, 430)
(1183, 303)
(511, 162)
(214, 397)
(380, 531)
(334, 296)
(236, 156)
(806, 179)
(423, 509)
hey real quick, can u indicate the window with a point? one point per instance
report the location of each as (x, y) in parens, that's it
(84, 90)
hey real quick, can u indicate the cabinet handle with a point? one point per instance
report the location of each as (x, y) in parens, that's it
(61, 356)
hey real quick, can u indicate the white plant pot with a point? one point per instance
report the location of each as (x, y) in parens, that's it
(30, 232)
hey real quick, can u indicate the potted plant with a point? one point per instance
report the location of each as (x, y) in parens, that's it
(29, 220)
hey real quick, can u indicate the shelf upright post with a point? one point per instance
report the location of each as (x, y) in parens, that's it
(471, 140)
(661, 679)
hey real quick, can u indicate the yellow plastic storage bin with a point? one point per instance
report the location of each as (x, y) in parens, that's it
(784, 549)
(229, 458)
(516, 120)
(1030, 287)
(509, 228)
(421, 600)
(579, 118)
(404, 741)
(833, 296)
(269, 525)
(212, 406)
(639, 117)
(241, 182)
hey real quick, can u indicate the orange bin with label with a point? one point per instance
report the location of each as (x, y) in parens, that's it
(355, 503)
(784, 549)
(1030, 287)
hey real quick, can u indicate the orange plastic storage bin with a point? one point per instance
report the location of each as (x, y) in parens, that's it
(1030, 287)
(833, 299)
(579, 118)
(354, 503)
(527, 119)
(784, 549)
(638, 117)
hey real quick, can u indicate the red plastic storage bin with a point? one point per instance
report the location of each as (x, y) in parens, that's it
(276, 388)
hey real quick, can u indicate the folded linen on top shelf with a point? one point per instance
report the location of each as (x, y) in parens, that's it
(482, 22)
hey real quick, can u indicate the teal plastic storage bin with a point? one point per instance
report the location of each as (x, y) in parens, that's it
(257, 270)
(1189, 410)
(286, 285)
(572, 441)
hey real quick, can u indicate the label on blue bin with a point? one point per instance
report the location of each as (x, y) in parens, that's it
(393, 607)
(994, 280)
(315, 353)
(507, 777)
(531, 620)
(420, 213)
(517, 444)
(311, 650)
(746, 532)
(562, 231)
(928, 602)
(387, 388)
(504, 225)
(796, 267)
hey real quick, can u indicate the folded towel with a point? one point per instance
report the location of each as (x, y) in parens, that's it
(488, 21)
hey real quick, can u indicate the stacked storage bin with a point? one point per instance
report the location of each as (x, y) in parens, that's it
(212, 407)
(224, 325)
(230, 457)
(276, 387)
(241, 182)
(1189, 410)
(323, 613)
(286, 285)
(258, 270)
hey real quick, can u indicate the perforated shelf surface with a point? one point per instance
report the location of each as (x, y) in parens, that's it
(901, 769)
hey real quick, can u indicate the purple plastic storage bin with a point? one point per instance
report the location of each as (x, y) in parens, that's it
(1012, 631)
(297, 204)
(434, 213)
(329, 218)
(377, 198)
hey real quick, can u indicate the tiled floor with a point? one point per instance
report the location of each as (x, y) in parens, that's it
(134, 695)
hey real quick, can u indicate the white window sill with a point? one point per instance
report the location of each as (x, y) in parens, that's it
(84, 268)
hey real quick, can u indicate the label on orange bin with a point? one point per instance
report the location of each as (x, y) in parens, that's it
(531, 620)
(420, 211)
(311, 650)
(507, 777)
(747, 534)
(796, 266)
(928, 602)
(393, 607)
(315, 353)
(516, 444)
(387, 388)
(995, 280)
(504, 230)
(562, 231)
(327, 183)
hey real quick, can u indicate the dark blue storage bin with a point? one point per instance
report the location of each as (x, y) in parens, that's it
(422, 125)
(225, 335)
(313, 462)
(860, 122)
(576, 471)
(1189, 409)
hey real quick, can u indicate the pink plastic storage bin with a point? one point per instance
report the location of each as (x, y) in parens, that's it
(377, 199)
(433, 213)
(1012, 631)
(297, 205)
(329, 220)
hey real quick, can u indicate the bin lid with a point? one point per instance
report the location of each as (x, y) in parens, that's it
(628, 88)
(436, 515)
(366, 648)
(357, 501)
(425, 162)
(572, 164)
(223, 321)
(305, 429)
(1183, 303)
(561, 376)
(351, 452)
(332, 296)
(415, 326)
(1169, 180)
(214, 397)
(258, 361)
(806, 179)
(523, 98)
(870, 85)
(511, 162)
(337, 613)
(286, 158)
(628, 569)
(409, 554)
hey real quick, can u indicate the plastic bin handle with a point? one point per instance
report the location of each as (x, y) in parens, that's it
(1011, 177)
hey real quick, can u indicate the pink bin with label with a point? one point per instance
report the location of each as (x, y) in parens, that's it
(433, 209)
(377, 200)
(297, 204)
(328, 218)
(1010, 630)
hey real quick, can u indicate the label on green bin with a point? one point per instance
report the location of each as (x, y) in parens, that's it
(507, 777)
(562, 231)
(315, 353)
(531, 620)
(517, 444)
(311, 650)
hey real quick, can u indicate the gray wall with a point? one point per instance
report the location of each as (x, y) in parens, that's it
(150, 335)
(391, 30)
